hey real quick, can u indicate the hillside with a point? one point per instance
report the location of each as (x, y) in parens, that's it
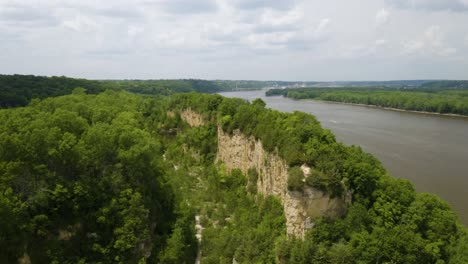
(119, 178)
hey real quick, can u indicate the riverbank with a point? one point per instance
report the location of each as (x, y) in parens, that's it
(385, 108)
(430, 150)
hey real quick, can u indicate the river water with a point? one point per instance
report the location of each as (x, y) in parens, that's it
(431, 151)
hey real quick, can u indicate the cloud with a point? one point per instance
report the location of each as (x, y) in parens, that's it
(321, 28)
(133, 31)
(114, 11)
(274, 21)
(230, 34)
(299, 39)
(368, 49)
(185, 7)
(81, 24)
(25, 15)
(381, 17)
(264, 4)
(380, 42)
(430, 5)
(413, 46)
(431, 43)
(228, 38)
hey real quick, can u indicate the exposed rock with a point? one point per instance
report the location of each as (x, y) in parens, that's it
(170, 114)
(199, 235)
(240, 152)
(192, 118)
(300, 208)
(69, 232)
(305, 169)
(24, 259)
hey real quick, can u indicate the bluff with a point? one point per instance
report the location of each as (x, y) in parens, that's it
(238, 151)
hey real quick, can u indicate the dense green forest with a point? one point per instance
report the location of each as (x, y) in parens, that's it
(425, 98)
(18, 90)
(166, 87)
(113, 178)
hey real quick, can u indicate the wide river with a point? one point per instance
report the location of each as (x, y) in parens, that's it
(431, 151)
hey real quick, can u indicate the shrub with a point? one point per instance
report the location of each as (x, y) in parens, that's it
(295, 179)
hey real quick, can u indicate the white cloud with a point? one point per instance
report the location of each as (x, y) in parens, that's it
(413, 46)
(380, 42)
(81, 24)
(321, 28)
(381, 17)
(431, 5)
(367, 49)
(185, 7)
(133, 31)
(277, 18)
(432, 42)
(263, 4)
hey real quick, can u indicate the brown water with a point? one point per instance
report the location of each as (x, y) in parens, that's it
(431, 151)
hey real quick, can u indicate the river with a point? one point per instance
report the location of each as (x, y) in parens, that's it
(431, 151)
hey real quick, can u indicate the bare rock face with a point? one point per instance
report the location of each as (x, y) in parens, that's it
(192, 118)
(301, 208)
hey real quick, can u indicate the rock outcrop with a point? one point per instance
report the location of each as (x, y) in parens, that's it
(192, 118)
(237, 151)
(301, 208)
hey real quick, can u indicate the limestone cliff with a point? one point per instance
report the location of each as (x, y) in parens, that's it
(192, 118)
(300, 208)
(240, 152)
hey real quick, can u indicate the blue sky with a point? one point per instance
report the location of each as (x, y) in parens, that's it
(236, 39)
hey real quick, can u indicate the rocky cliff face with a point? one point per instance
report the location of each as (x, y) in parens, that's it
(192, 118)
(301, 208)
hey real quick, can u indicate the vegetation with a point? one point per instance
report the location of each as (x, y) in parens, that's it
(81, 181)
(387, 222)
(18, 90)
(453, 101)
(446, 85)
(295, 179)
(114, 178)
(165, 87)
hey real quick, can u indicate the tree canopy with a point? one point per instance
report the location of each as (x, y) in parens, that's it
(118, 178)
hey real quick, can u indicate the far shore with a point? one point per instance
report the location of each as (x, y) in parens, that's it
(387, 108)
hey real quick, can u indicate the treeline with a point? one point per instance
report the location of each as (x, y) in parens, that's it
(250, 84)
(446, 85)
(18, 90)
(166, 87)
(437, 101)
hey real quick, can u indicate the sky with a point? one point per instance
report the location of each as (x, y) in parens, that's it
(297, 40)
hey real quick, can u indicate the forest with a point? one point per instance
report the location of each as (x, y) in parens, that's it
(426, 98)
(117, 177)
(18, 90)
